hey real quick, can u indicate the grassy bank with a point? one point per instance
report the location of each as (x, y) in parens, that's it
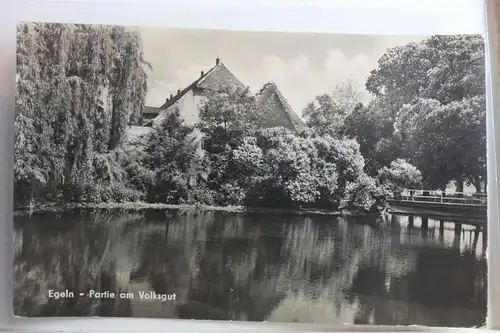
(188, 207)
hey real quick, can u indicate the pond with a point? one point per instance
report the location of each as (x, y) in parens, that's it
(254, 266)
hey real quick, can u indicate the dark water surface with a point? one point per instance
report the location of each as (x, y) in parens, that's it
(256, 267)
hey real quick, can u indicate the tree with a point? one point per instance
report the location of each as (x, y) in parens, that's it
(227, 116)
(78, 86)
(347, 95)
(398, 176)
(409, 122)
(171, 152)
(288, 170)
(128, 82)
(457, 142)
(445, 68)
(416, 82)
(31, 164)
(248, 162)
(473, 121)
(364, 195)
(368, 126)
(325, 115)
(446, 142)
(344, 157)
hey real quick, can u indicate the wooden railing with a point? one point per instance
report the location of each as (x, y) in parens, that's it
(452, 198)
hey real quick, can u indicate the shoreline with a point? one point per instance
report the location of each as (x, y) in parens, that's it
(191, 207)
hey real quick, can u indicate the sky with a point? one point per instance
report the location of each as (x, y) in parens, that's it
(302, 65)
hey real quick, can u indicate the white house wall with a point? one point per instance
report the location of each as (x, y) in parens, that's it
(188, 107)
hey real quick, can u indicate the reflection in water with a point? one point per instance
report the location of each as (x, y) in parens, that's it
(255, 267)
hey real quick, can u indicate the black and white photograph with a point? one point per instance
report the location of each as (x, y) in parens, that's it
(257, 176)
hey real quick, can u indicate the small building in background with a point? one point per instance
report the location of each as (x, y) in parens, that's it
(149, 113)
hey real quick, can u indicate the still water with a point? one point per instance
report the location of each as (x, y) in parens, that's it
(256, 267)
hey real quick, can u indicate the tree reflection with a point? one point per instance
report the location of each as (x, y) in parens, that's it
(225, 266)
(444, 286)
(58, 254)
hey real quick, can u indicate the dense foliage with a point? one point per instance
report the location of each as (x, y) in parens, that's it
(80, 86)
(399, 176)
(171, 155)
(292, 171)
(427, 107)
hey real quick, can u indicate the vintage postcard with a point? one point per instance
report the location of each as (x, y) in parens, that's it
(250, 176)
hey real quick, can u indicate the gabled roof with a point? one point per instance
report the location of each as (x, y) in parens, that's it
(278, 111)
(217, 77)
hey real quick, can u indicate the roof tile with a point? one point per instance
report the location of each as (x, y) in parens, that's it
(217, 77)
(278, 110)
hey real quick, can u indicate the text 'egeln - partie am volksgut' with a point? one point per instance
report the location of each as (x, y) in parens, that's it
(145, 295)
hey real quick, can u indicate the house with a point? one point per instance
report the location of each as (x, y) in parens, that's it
(149, 113)
(188, 99)
(269, 98)
(276, 109)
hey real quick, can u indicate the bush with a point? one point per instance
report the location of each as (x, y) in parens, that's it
(284, 170)
(201, 195)
(398, 176)
(175, 166)
(364, 195)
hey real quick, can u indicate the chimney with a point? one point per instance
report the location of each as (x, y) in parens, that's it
(178, 91)
(202, 73)
(171, 96)
(217, 61)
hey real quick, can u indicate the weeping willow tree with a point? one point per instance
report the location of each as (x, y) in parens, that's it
(77, 89)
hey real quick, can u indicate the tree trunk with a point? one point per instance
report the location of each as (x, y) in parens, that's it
(460, 187)
(116, 108)
(113, 133)
(477, 185)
